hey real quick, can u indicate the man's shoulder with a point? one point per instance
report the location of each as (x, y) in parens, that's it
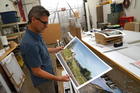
(27, 41)
(27, 47)
(27, 38)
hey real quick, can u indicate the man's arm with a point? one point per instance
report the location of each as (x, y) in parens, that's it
(55, 50)
(41, 73)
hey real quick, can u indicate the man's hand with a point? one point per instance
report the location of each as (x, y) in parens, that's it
(64, 78)
(59, 49)
(41, 73)
(55, 50)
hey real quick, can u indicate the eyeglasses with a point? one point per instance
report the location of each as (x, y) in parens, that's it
(43, 22)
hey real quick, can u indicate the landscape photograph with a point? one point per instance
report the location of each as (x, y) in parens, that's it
(81, 63)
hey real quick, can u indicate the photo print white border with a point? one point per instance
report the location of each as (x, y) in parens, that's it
(68, 71)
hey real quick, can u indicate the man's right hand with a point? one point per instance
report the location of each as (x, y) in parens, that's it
(65, 78)
(41, 73)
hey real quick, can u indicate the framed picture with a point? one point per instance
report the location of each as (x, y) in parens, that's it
(3, 86)
(81, 64)
(13, 71)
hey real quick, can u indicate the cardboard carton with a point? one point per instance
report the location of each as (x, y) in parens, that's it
(75, 31)
(52, 33)
(132, 26)
(108, 37)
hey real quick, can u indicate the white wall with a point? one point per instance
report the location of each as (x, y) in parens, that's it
(92, 9)
(28, 4)
(134, 11)
(10, 7)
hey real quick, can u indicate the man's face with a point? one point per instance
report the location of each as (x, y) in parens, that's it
(40, 24)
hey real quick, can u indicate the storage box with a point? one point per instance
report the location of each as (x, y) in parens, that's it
(75, 31)
(108, 37)
(75, 27)
(9, 17)
(124, 20)
(132, 26)
(52, 33)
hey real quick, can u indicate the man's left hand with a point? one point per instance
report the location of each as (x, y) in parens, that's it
(57, 49)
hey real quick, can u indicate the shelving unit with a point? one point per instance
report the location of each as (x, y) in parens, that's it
(11, 24)
(11, 79)
(13, 30)
(13, 46)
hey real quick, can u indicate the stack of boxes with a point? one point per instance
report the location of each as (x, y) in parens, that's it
(132, 26)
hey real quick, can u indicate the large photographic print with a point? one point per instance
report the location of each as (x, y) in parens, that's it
(81, 63)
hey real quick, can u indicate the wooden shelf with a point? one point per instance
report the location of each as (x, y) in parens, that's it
(104, 3)
(11, 24)
(13, 46)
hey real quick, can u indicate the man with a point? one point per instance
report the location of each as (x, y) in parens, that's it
(35, 52)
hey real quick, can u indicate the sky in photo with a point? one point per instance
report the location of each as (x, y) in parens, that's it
(88, 60)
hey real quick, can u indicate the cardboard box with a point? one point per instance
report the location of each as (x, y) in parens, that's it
(132, 26)
(52, 33)
(75, 31)
(101, 39)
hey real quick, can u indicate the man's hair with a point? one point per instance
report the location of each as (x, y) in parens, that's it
(37, 12)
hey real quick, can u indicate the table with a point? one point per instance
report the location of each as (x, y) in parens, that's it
(124, 74)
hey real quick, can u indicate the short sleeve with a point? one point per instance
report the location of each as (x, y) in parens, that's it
(32, 57)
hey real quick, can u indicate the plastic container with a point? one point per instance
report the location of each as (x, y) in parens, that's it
(124, 20)
(9, 17)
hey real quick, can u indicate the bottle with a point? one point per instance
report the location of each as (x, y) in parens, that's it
(4, 42)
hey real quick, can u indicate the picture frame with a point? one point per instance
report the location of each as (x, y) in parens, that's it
(3, 86)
